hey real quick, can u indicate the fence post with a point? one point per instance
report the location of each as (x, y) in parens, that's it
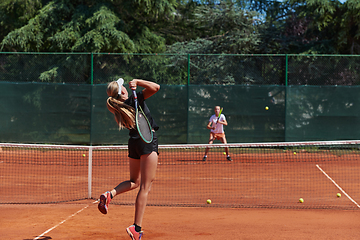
(188, 96)
(91, 95)
(286, 88)
(91, 123)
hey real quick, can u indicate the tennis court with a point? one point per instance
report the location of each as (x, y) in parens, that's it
(256, 196)
(31, 221)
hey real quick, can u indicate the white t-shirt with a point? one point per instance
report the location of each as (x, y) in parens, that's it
(219, 127)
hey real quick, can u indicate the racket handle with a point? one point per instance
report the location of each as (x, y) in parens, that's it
(134, 93)
(135, 98)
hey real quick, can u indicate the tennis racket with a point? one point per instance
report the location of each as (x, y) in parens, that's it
(218, 118)
(219, 115)
(142, 123)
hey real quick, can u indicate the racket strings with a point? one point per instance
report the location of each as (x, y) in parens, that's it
(144, 127)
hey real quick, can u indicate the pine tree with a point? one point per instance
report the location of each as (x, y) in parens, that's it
(90, 26)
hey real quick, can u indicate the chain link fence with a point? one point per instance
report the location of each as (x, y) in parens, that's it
(177, 69)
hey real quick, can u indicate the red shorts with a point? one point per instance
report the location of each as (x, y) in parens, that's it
(217, 136)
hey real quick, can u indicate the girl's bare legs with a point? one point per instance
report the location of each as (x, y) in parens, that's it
(223, 140)
(148, 165)
(125, 186)
(134, 181)
(146, 168)
(211, 140)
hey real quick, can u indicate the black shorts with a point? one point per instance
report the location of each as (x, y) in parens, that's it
(137, 147)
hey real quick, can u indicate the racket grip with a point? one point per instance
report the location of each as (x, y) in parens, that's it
(134, 93)
(135, 98)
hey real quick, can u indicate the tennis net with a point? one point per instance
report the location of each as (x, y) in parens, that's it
(270, 175)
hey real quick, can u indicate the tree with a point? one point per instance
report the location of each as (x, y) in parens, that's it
(222, 28)
(349, 34)
(82, 26)
(92, 26)
(330, 27)
(16, 13)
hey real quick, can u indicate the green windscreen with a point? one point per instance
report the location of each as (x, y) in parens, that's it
(45, 113)
(60, 98)
(322, 113)
(244, 109)
(77, 113)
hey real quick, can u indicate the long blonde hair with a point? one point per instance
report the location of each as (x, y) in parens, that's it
(123, 113)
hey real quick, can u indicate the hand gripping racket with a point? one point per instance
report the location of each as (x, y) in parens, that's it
(142, 123)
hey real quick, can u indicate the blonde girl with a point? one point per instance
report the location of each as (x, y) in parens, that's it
(143, 158)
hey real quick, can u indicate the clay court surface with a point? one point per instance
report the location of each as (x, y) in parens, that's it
(264, 187)
(69, 222)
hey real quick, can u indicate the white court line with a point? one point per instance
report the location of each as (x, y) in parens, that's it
(50, 229)
(347, 195)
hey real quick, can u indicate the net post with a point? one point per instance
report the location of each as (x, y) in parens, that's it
(90, 171)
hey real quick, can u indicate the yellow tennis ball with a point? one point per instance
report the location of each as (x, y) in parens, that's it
(266, 108)
(224, 153)
(294, 153)
(338, 195)
(84, 155)
(301, 200)
(208, 201)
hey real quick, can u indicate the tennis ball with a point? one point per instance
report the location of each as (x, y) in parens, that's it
(84, 155)
(224, 153)
(338, 195)
(301, 200)
(208, 201)
(294, 153)
(266, 108)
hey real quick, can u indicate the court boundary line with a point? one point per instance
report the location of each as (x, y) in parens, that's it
(63, 221)
(347, 195)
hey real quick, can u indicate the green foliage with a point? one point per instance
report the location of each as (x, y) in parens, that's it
(144, 26)
(331, 27)
(349, 30)
(86, 26)
(175, 28)
(16, 13)
(182, 27)
(92, 26)
(223, 28)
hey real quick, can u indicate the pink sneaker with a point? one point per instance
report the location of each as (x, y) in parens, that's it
(104, 202)
(134, 234)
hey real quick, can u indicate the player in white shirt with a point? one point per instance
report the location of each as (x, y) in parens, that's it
(216, 126)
